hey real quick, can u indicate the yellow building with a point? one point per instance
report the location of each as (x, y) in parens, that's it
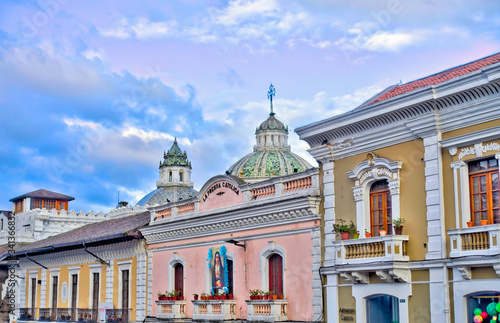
(96, 272)
(423, 154)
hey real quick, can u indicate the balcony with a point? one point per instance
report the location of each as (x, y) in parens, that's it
(214, 310)
(26, 314)
(117, 315)
(267, 310)
(475, 241)
(82, 315)
(376, 249)
(171, 310)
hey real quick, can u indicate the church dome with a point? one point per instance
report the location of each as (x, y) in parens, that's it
(260, 165)
(166, 195)
(271, 154)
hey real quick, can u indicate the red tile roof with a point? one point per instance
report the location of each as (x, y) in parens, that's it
(44, 194)
(436, 78)
(100, 231)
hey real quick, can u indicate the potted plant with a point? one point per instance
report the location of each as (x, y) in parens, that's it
(355, 234)
(195, 296)
(484, 221)
(398, 225)
(223, 296)
(253, 294)
(203, 296)
(268, 295)
(260, 295)
(367, 234)
(382, 231)
(178, 294)
(470, 224)
(280, 296)
(230, 296)
(273, 295)
(342, 229)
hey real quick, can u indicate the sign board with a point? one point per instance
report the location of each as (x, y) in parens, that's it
(102, 310)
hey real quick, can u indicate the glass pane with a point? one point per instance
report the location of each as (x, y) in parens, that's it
(380, 217)
(483, 201)
(477, 205)
(483, 164)
(475, 185)
(481, 300)
(375, 217)
(484, 215)
(389, 201)
(389, 215)
(493, 163)
(374, 201)
(473, 166)
(380, 202)
(483, 183)
(495, 199)
(496, 216)
(494, 181)
(375, 231)
(382, 309)
(477, 217)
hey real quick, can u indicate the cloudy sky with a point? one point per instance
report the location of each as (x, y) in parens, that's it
(92, 92)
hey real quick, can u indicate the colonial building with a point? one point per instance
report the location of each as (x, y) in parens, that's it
(97, 272)
(41, 214)
(257, 227)
(425, 154)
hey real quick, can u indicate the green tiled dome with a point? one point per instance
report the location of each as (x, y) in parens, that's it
(175, 157)
(268, 163)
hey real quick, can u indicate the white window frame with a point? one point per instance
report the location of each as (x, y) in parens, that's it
(362, 291)
(176, 259)
(95, 269)
(365, 174)
(264, 255)
(124, 265)
(32, 274)
(54, 273)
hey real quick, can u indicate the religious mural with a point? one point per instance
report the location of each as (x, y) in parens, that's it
(218, 265)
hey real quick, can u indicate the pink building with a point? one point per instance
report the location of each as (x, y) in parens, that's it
(255, 228)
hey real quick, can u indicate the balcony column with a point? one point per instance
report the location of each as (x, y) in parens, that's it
(361, 223)
(456, 166)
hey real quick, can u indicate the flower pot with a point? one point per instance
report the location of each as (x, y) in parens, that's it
(398, 230)
(355, 235)
(210, 297)
(345, 235)
(260, 297)
(281, 296)
(265, 297)
(181, 298)
(223, 297)
(231, 296)
(470, 224)
(275, 296)
(368, 234)
(195, 297)
(382, 232)
(484, 222)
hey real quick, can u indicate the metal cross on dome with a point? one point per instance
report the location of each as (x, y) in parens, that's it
(270, 94)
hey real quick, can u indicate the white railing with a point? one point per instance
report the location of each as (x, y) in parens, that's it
(475, 241)
(357, 251)
(171, 309)
(214, 310)
(267, 310)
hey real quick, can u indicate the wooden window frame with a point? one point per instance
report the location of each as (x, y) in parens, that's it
(384, 194)
(179, 278)
(489, 193)
(278, 274)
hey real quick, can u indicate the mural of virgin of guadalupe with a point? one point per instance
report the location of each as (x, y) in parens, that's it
(218, 272)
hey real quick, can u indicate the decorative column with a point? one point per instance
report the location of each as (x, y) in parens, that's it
(329, 196)
(456, 167)
(360, 210)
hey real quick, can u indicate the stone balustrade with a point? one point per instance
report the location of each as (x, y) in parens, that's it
(186, 208)
(386, 248)
(171, 310)
(265, 191)
(475, 241)
(267, 310)
(298, 184)
(214, 310)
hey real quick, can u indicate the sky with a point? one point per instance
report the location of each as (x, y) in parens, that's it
(93, 92)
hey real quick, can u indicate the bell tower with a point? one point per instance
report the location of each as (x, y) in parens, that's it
(175, 169)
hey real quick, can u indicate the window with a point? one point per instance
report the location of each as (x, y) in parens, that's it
(180, 176)
(125, 288)
(382, 309)
(484, 189)
(42, 203)
(74, 290)
(33, 296)
(276, 274)
(380, 207)
(95, 292)
(19, 207)
(179, 278)
(230, 276)
(170, 176)
(481, 300)
(54, 293)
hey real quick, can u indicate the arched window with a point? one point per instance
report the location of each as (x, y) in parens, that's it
(380, 207)
(179, 278)
(276, 274)
(272, 140)
(181, 175)
(382, 309)
(170, 176)
(485, 191)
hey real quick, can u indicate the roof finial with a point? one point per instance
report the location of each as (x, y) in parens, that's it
(270, 94)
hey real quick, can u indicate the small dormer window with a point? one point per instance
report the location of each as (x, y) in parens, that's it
(181, 175)
(272, 140)
(170, 176)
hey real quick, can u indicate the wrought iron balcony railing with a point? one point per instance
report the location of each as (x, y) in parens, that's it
(121, 315)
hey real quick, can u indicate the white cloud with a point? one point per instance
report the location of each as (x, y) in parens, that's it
(239, 10)
(71, 122)
(90, 54)
(145, 136)
(141, 29)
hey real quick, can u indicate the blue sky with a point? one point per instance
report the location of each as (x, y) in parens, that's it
(92, 92)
